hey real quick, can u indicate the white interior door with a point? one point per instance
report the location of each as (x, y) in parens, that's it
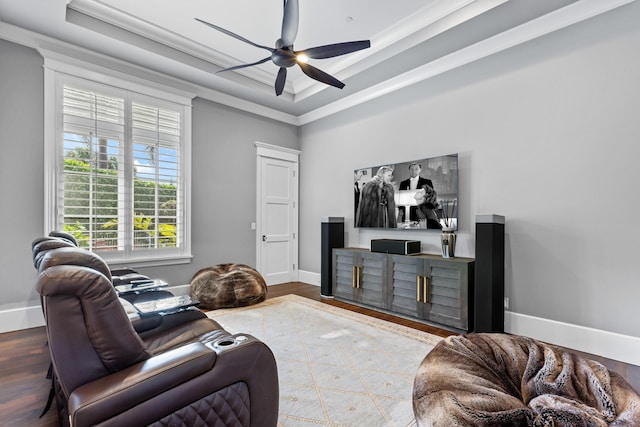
(277, 225)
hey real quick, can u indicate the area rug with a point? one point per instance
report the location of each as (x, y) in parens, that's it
(335, 367)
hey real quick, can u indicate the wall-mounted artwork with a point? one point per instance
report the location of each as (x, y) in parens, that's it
(414, 195)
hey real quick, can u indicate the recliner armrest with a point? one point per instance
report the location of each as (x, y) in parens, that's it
(113, 394)
(121, 271)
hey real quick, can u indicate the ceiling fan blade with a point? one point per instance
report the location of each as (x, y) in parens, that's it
(290, 20)
(262, 61)
(280, 80)
(234, 35)
(337, 49)
(320, 75)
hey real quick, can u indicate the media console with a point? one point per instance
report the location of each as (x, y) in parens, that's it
(422, 287)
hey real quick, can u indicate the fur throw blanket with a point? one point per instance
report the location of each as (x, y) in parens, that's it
(503, 380)
(227, 286)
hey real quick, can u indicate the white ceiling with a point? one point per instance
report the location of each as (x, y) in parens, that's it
(411, 40)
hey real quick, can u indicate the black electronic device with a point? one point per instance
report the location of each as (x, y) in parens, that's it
(414, 195)
(489, 274)
(332, 238)
(394, 246)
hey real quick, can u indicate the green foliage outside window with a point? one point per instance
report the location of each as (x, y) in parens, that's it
(91, 208)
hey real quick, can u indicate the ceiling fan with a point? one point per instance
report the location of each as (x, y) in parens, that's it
(284, 56)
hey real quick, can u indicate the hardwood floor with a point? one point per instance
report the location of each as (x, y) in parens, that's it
(24, 360)
(24, 388)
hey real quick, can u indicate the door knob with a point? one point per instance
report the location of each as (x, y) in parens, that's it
(264, 238)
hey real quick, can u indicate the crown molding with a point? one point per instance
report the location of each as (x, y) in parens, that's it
(407, 33)
(415, 29)
(55, 49)
(76, 66)
(133, 24)
(118, 19)
(553, 21)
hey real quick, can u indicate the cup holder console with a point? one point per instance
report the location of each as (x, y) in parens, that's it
(229, 342)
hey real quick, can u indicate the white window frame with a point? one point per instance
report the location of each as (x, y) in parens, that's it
(59, 70)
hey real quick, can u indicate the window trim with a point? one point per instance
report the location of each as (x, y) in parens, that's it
(57, 69)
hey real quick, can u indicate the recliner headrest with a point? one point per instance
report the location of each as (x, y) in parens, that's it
(42, 245)
(65, 236)
(74, 256)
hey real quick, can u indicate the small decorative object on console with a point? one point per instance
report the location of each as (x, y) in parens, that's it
(448, 239)
(448, 221)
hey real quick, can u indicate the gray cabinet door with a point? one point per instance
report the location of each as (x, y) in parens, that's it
(361, 276)
(431, 288)
(344, 272)
(448, 286)
(407, 286)
(373, 281)
(426, 287)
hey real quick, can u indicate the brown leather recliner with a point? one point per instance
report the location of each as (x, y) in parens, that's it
(196, 374)
(145, 324)
(119, 276)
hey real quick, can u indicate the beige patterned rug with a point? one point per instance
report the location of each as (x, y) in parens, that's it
(336, 367)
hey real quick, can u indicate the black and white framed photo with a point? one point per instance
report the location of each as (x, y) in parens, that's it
(418, 194)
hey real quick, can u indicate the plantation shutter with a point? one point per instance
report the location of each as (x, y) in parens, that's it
(120, 183)
(156, 153)
(91, 200)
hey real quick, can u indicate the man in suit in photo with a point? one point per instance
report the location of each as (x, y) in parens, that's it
(414, 182)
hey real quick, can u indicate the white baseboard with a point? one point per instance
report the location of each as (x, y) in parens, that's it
(16, 319)
(309, 277)
(611, 345)
(624, 348)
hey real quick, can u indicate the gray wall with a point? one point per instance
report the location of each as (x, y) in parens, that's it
(223, 178)
(21, 136)
(547, 134)
(224, 185)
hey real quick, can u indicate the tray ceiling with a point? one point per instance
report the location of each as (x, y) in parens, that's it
(411, 40)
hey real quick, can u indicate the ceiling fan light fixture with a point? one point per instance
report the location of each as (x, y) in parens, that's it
(284, 56)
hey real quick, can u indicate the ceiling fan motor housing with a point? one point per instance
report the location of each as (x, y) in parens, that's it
(283, 57)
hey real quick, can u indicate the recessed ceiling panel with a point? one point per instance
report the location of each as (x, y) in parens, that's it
(160, 39)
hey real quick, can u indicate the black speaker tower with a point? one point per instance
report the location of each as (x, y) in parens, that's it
(332, 238)
(489, 279)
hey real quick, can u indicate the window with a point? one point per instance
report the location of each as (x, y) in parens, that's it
(118, 166)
